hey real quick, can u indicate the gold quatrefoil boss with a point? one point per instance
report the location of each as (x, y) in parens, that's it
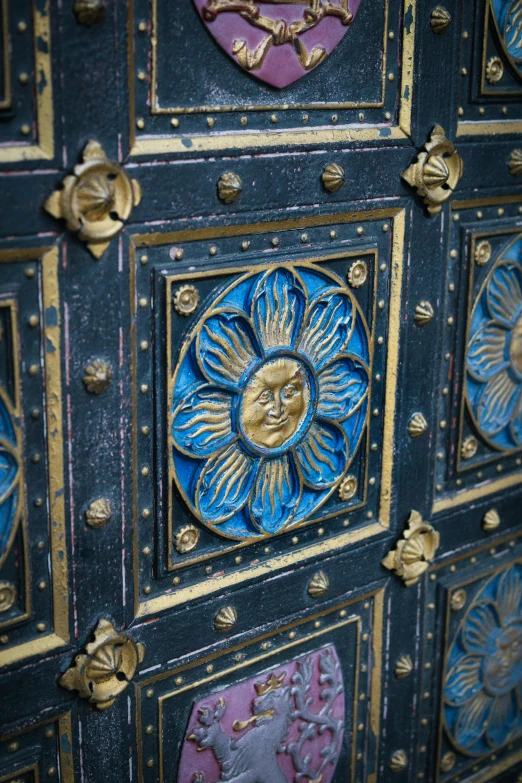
(96, 200)
(436, 171)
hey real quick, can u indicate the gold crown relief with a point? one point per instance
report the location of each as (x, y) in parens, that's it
(272, 684)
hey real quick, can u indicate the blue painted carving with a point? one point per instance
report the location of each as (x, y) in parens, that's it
(508, 15)
(269, 401)
(494, 354)
(483, 688)
(9, 473)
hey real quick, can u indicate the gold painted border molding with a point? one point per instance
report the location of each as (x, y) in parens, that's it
(398, 217)
(4, 13)
(202, 142)
(49, 259)
(375, 679)
(44, 149)
(490, 486)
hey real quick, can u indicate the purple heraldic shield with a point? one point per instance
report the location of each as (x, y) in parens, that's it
(276, 40)
(282, 726)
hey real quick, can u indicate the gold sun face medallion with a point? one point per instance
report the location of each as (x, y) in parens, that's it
(275, 402)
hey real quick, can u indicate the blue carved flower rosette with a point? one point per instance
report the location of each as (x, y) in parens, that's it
(508, 17)
(483, 681)
(494, 354)
(269, 400)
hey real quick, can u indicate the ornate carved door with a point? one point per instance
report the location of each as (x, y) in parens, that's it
(260, 391)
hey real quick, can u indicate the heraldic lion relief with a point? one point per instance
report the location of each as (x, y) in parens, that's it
(276, 40)
(294, 731)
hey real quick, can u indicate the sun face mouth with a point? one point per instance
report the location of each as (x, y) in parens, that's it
(276, 403)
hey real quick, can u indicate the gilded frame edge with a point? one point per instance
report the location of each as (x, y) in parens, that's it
(44, 149)
(51, 333)
(64, 723)
(156, 145)
(456, 499)
(398, 216)
(4, 13)
(375, 679)
(484, 775)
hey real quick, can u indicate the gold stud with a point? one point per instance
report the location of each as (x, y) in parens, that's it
(225, 619)
(403, 667)
(417, 425)
(318, 585)
(491, 520)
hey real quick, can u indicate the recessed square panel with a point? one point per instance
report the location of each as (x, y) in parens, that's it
(263, 433)
(38, 752)
(256, 74)
(479, 729)
(33, 561)
(491, 68)
(301, 700)
(26, 102)
(478, 438)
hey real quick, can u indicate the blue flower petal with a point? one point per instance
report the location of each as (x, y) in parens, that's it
(486, 355)
(497, 403)
(509, 596)
(328, 328)
(472, 720)
(276, 494)
(201, 424)
(481, 624)
(464, 680)
(278, 308)
(504, 293)
(225, 484)
(343, 386)
(503, 719)
(516, 420)
(226, 348)
(322, 455)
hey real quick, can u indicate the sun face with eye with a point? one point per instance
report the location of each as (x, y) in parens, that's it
(275, 402)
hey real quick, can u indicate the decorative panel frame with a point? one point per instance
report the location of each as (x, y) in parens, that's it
(458, 480)
(44, 625)
(451, 588)
(38, 752)
(360, 618)
(152, 133)
(28, 106)
(486, 108)
(160, 584)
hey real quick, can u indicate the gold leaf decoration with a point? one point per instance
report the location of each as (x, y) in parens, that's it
(107, 667)
(399, 761)
(348, 488)
(7, 596)
(403, 667)
(424, 313)
(436, 171)
(96, 200)
(318, 584)
(491, 520)
(333, 177)
(448, 761)
(89, 12)
(99, 513)
(469, 447)
(186, 300)
(458, 599)
(225, 619)
(494, 70)
(414, 551)
(515, 163)
(440, 20)
(98, 377)
(229, 187)
(482, 252)
(187, 539)
(417, 425)
(357, 274)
